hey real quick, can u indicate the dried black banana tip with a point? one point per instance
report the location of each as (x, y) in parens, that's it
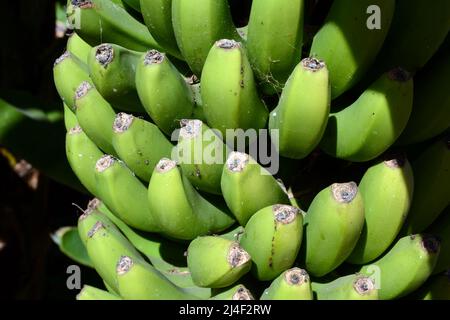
(296, 276)
(431, 243)
(61, 58)
(153, 57)
(396, 161)
(399, 74)
(190, 128)
(124, 265)
(285, 214)
(104, 54)
(227, 44)
(165, 165)
(122, 122)
(364, 285)
(237, 161)
(237, 256)
(344, 192)
(242, 294)
(82, 90)
(104, 163)
(313, 64)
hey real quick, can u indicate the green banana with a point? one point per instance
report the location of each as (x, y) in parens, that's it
(432, 186)
(238, 292)
(369, 126)
(69, 242)
(436, 288)
(406, 266)
(82, 155)
(201, 155)
(352, 287)
(163, 91)
(441, 228)
(124, 194)
(387, 191)
(78, 47)
(272, 237)
(92, 293)
(137, 280)
(247, 187)
(334, 222)
(417, 32)
(112, 68)
(135, 4)
(293, 284)
(216, 262)
(274, 40)
(95, 115)
(229, 94)
(180, 211)
(347, 44)
(70, 119)
(197, 25)
(303, 109)
(139, 144)
(68, 73)
(157, 16)
(430, 114)
(99, 21)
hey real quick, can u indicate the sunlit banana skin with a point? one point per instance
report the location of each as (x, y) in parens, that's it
(387, 191)
(406, 266)
(163, 91)
(352, 287)
(274, 40)
(197, 25)
(247, 187)
(272, 237)
(70, 119)
(78, 47)
(239, 292)
(201, 155)
(333, 225)
(92, 293)
(441, 229)
(98, 21)
(216, 262)
(68, 73)
(293, 284)
(95, 115)
(124, 194)
(112, 68)
(229, 94)
(302, 112)
(432, 186)
(347, 44)
(139, 144)
(157, 16)
(181, 212)
(370, 125)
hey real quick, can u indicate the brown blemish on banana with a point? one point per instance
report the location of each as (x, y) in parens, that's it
(242, 293)
(94, 204)
(75, 130)
(153, 57)
(122, 122)
(104, 163)
(165, 165)
(190, 128)
(399, 74)
(97, 226)
(227, 44)
(82, 90)
(237, 161)
(344, 192)
(284, 214)
(296, 277)
(237, 256)
(104, 54)
(313, 64)
(363, 285)
(83, 4)
(396, 162)
(124, 265)
(431, 244)
(63, 57)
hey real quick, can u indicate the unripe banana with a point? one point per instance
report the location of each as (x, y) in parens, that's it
(201, 154)
(352, 287)
(180, 211)
(441, 229)
(436, 288)
(78, 47)
(293, 284)
(369, 126)
(163, 91)
(82, 155)
(124, 194)
(138, 280)
(432, 186)
(92, 293)
(238, 292)
(135, 4)
(387, 191)
(406, 266)
(275, 39)
(247, 187)
(272, 237)
(216, 262)
(68, 73)
(347, 44)
(70, 119)
(334, 222)
(88, 219)
(197, 25)
(99, 21)
(112, 68)
(229, 94)
(139, 144)
(431, 109)
(157, 15)
(302, 112)
(95, 115)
